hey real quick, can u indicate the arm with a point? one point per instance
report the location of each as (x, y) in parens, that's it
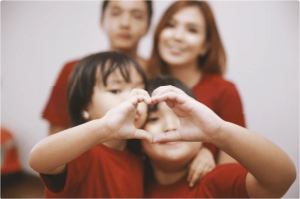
(51, 154)
(230, 109)
(271, 171)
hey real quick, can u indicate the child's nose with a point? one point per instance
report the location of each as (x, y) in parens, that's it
(171, 124)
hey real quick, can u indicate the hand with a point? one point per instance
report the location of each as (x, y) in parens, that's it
(119, 121)
(202, 164)
(197, 122)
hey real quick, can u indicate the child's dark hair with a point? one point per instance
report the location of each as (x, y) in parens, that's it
(164, 80)
(84, 78)
(149, 9)
(152, 85)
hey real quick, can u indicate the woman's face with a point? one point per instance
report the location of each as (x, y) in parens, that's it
(125, 23)
(170, 155)
(184, 37)
(115, 92)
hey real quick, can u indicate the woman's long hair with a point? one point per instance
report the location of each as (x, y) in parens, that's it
(214, 61)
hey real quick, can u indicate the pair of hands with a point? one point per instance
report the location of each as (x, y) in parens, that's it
(197, 122)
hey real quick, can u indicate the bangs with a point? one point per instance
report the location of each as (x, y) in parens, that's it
(122, 64)
(164, 80)
(112, 66)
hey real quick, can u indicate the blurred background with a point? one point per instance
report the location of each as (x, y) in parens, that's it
(37, 38)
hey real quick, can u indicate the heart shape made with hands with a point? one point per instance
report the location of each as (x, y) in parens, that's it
(196, 121)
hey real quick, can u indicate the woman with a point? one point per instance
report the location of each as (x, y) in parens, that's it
(125, 24)
(187, 46)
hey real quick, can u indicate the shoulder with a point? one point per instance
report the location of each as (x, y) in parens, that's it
(65, 73)
(225, 175)
(228, 169)
(215, 85)
(229, 180)
(217, 80)
(68, 67)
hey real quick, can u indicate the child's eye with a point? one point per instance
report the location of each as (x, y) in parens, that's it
(170, 25)
(152, 119)
(193, 30)
(115, 91)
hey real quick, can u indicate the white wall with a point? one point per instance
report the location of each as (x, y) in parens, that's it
(261, 40)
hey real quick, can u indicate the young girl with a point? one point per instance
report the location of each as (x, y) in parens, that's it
(105, 95)
(125, 23)
(264, 170)
(187, 46)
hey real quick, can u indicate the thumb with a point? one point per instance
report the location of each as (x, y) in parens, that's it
(167, 137)
(142, 134)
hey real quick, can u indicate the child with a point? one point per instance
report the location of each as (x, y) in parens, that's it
(105, 92)
(125, 23)
(264, 169)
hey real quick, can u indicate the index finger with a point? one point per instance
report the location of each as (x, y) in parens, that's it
(163, 89)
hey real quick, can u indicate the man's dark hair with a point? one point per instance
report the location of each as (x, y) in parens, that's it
(149, 9)
(84, 78)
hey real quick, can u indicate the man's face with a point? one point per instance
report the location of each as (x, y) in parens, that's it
(125, 23)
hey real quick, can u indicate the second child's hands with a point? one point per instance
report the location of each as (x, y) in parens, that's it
(197, 122)
(119, 121)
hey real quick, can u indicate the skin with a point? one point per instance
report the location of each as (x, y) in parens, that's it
(183, 39)
(270, 171)
(180, 45)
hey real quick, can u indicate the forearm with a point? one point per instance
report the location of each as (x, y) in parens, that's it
(57, 150)
(269, 165)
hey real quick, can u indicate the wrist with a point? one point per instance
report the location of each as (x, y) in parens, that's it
(221, 135)
(102, 132)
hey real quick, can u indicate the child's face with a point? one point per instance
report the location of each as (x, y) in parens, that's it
(115, 92)
(174, 154)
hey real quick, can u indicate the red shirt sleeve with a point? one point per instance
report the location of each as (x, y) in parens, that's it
(72, 176)
(229, 107)
(225, 181)
(56, 110)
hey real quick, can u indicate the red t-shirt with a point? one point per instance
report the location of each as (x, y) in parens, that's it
(10, 162)
(56, 110)
(222, 97)
(98, 173)
(225, 181)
